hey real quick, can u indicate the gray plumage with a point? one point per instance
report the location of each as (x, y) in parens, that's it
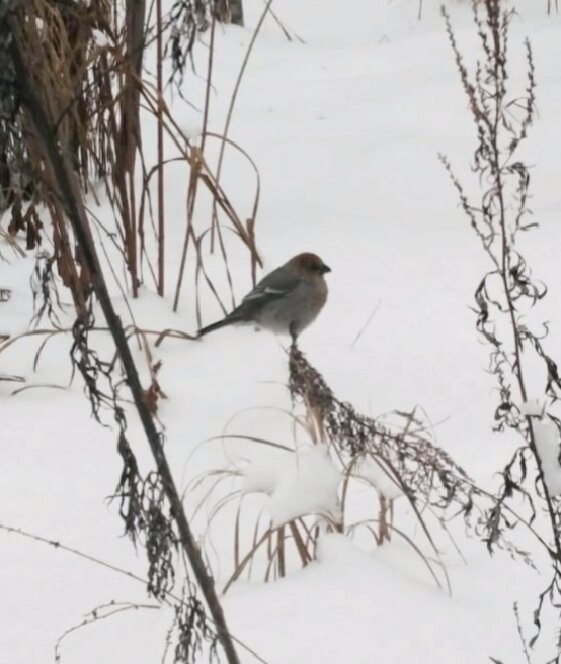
(288, 299)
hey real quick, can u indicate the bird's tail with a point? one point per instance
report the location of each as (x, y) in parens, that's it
(214, 326)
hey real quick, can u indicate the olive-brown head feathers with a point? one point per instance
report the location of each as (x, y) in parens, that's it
(309, 263)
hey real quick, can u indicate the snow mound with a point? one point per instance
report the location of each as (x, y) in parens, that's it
(306, 482)
(374, 471)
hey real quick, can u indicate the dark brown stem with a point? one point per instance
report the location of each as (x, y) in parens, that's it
(160, 86)
(72, 205)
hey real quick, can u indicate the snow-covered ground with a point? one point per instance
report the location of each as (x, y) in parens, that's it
(345, 128)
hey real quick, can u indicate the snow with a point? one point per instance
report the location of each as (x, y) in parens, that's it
(342, 608)
(536, 406)
(15, 275)
(303, 483)
(345, 129)
(549, 449)
(375, 471)
(548, 443)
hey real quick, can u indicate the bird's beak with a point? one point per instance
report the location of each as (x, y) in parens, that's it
(325, 269)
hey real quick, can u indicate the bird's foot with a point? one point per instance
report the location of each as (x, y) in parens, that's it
(293, 333)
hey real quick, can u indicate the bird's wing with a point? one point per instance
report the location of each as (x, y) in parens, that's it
(278, 284)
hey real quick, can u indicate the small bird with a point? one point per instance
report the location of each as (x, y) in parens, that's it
(287, 300)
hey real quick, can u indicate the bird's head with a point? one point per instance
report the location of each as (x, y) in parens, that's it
(309, 264)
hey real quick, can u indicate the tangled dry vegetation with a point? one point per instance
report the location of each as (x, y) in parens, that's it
(86, 63)
(508, 293)
(70, 106)
(71, 97)
(393, 457)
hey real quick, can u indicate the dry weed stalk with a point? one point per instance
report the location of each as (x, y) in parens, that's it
(101, 612)
(180, 603)
(406, 462)
(66, 66)
(150, 506)
(423, 471)
(508, 292)
(274, 549)
(426, 475)
(86, 63)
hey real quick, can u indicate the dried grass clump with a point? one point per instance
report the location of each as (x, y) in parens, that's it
(403, 461)
(261, 549)
(428, 477)
(66, 68)
(86, 64)
(86, 67)
(424, 472)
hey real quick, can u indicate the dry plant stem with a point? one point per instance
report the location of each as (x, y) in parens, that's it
(492, 121)
(195, 159)
(161, 224)
(130, 330)
(67, 265)
(424, 472)
(101, 612)
(248, 558)
(209, 179)
(58, 545)
(215, 225)
(497, 222)
(195, 164)
(208, 81)
(238, 84)
(517, 343)
(284, 28)
(518, 364)
(133, 246)
(234, 145)
(55, 544)
(194, 172)
(45, 130)
(194, 175)
(130, 129)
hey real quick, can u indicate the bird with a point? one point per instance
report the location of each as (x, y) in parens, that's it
(285, 301)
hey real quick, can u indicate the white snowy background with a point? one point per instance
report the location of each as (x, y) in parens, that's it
(345, 129)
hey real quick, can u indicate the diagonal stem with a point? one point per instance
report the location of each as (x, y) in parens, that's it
(74, 210)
